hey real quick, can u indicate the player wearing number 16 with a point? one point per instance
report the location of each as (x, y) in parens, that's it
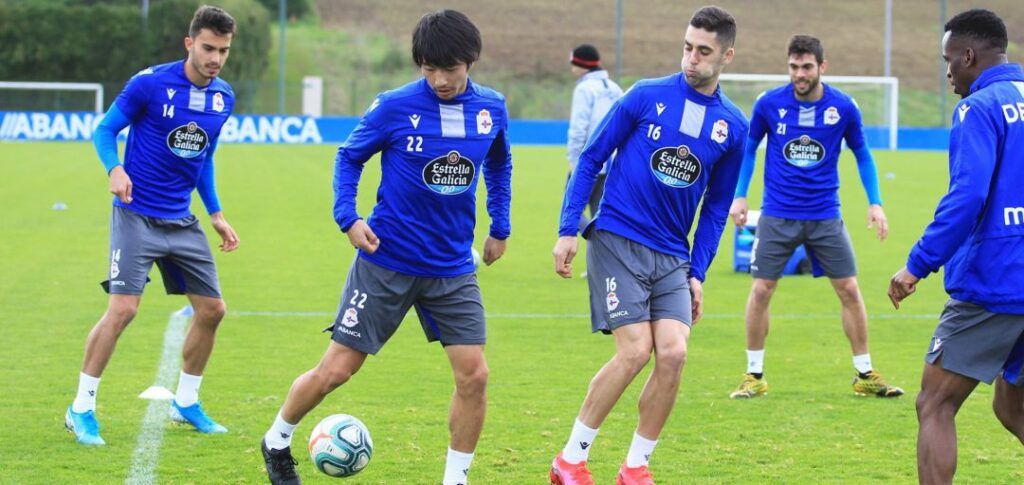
(679, 140)
(435, 136)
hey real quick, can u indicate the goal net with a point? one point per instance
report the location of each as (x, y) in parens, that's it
(50, 96)
(877, 97)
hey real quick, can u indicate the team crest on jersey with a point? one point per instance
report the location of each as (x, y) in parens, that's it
(612, 300)
(831, 115)
(188, 141)
(720, 131)
(483, 122)
(676, 167)
(803, 152)
(451, 174)
(218, 102)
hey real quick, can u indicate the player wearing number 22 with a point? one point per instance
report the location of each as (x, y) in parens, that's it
(435, 136)
(679, 139)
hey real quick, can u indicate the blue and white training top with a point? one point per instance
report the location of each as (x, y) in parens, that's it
(801, 175)
(978, 231)
(675, 146)
(432, 152)
(174, 129)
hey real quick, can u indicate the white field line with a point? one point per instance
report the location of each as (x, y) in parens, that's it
(575, 316)
(147, 450)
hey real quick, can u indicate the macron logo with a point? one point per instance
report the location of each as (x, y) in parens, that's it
(415, 119)
(963, 111)
(782, 112)
(660, 107)
(584, 445)
(1013, 216)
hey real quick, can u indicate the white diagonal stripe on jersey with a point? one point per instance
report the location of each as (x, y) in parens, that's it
(1020, 87)
(453, 122)
(693, 119)
(806, 116)
(196, 99)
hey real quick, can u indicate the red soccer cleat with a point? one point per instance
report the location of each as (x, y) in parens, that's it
(565, 473)
(640, 475)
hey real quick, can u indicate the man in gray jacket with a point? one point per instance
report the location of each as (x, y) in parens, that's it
(591, 99)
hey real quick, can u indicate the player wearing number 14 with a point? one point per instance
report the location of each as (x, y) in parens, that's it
(435, 135)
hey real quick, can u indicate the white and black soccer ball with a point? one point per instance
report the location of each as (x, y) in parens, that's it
(340, 446)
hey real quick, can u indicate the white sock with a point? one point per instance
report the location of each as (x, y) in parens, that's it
(188, 389)
(580, 441)
(862, 363)
(640, 451)
(755, 361)
(279, 436)
(456, 467)
(85, 400)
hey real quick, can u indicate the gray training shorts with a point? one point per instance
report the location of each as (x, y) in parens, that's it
(178, 246)
(376, 299)
(632, 283)
(827, 242)
(977, 343)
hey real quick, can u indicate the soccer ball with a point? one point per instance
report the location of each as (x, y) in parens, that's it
(340, 445)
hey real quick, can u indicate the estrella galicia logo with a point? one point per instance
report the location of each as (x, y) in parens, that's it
(451, 174)
(676, 167)
(803, 152)
(188, 141)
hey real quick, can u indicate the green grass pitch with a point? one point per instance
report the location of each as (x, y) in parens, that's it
(810, 429)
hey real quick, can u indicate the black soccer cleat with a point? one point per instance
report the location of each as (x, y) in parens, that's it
(280, 465)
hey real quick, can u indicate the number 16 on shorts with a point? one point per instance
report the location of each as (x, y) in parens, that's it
(612, 299)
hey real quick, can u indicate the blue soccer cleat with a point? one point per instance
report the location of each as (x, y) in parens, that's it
(84, 426)
(195, 416)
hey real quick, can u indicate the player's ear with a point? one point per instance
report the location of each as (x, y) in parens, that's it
(970, 57)
(822, 66)
(188, 43)
(729, 53)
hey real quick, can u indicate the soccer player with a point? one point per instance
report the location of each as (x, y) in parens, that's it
(679, 139)
(176, 112)
(592, 97)
(435, 136)
(978, 235)
(805, 122)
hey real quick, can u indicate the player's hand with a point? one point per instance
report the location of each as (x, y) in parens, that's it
(696, 300)
(493, 249)
(565, 250)
(902, 285)
(121, 184)
(877, 216)
(362, 237)
(738, 211)
(229, 240)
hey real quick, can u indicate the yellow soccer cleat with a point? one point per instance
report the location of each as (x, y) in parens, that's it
(750, 387)
(873, 384)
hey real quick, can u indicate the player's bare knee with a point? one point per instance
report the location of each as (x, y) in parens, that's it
(932, 405)
(671, 357)
(848, 291)
(472, 383)
(211, 312)
(120, 314)
(762, 290)
(633, 358)
(1009, 414)
(330, 378)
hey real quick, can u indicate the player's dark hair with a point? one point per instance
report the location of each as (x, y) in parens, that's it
(716, 19)
(212, 18)
(805, 44)
(445, 38)
(980, 25)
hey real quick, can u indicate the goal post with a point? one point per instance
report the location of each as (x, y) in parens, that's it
(877, 96)
(96, 88)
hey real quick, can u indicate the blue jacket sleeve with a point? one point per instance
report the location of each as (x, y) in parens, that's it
(366, 140)
(498, 178)
(611, 133)
(205, 186)
(104, 138)
(715, 208)
(868, 174)
(972, 161)
(747, 167)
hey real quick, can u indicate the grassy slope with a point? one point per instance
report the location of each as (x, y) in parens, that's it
(809, 430)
